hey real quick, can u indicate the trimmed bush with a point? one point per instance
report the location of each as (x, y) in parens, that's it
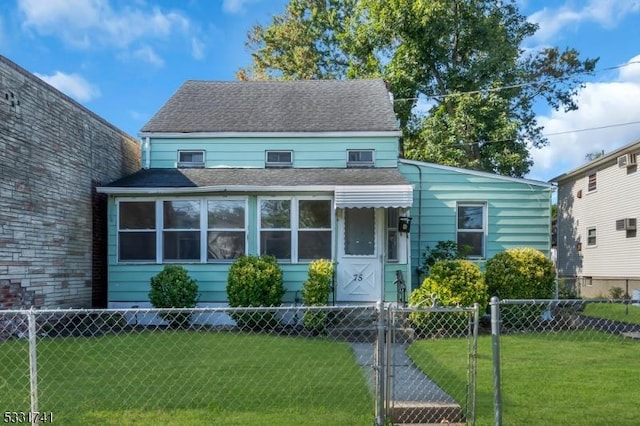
(255, 281)
(315, 292)
(173, 288)
(453, 283)
(521, 273)
(444, 250)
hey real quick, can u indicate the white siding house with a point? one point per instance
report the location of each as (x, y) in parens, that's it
(598, 211)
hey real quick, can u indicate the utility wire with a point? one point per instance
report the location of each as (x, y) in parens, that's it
(515, 86)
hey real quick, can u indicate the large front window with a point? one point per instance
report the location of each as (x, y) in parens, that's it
(471, 228)
(181, 230)
(296, 228)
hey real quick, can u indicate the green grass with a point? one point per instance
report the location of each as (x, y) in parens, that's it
(184, 377)
(574, 378)
(614, 311)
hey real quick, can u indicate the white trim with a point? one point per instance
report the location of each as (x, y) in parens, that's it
(190, 135)
(478, 173)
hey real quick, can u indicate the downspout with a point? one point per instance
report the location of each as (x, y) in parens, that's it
(419, 221)
(147, 152)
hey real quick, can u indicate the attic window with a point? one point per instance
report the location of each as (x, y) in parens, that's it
(192, 159)
(279, 158)
(360, 158)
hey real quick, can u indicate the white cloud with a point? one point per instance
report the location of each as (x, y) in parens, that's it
(147, 54)
(236, 6)
(197, 48)
(72, 85)
(595, 126)
(91, 23)
(604, 12)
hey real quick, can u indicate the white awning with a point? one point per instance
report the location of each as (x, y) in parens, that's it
(354, 196)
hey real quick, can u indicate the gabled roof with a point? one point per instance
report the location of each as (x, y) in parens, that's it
(276, 106)
(633, 147)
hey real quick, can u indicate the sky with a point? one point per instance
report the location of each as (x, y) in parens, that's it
(123, 59)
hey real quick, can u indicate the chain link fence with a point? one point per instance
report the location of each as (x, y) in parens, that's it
(299, 365)
(570, 362)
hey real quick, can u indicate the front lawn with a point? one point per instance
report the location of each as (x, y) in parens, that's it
(614, 311)
(566, 378)
(188, 377)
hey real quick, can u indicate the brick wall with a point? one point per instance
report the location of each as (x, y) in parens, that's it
(53, 152)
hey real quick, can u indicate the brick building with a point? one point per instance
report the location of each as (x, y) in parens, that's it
(53, 153)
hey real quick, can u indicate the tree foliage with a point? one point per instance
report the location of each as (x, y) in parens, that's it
(463, 59)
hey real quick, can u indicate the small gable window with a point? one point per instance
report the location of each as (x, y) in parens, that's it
(191, 158)
(360, 158)
(279, 159)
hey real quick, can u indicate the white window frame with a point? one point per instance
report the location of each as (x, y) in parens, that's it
(294, 224)
(192, 164)
(205, 248)
(483, 230)
(595, 237)
(118, 230)
(159, 230)
(282, 164)
(356, 164)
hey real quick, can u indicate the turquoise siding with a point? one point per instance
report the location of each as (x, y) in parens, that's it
(519, 212)
(308, 152)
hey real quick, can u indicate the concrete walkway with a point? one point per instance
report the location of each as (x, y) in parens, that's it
(416, 399)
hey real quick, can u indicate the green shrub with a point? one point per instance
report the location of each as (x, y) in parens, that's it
(255, 281)
(453, 283)
(521, 273)
(173, 288)
(315, 292)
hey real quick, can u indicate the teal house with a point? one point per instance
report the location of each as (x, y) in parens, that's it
(300, 170)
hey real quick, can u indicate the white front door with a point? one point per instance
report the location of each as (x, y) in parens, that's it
(359, 271)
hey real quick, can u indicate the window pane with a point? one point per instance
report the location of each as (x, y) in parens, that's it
(275, 214)
(182, 214)
(392, 245)
(226, 214)
(474, 240)
(360, 156)
(314, 245)
(225, 245)
(359, 232)
(591, 237)
(182, 245)
(191, 156)
(138, 215)
(137, 246)
(276, 243)
(315, 214)
(279, 156)
(469, 217)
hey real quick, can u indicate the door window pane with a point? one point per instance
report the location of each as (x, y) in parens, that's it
(359, 232)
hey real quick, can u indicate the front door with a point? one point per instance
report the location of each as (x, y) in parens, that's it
(359, 266)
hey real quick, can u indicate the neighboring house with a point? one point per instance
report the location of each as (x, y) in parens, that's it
(53, 153)
(300, 170)
(598, 211)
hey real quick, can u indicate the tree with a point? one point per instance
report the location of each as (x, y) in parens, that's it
(463, 58)
(590, 156)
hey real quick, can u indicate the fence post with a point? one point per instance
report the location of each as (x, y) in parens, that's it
(380, 371)
(33, 366)
(495, 343)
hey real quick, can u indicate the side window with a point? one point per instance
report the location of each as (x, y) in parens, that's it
(137, 231)
(226, 232)
(591, 237)
(192, 158)
(392, 234)
(275, 228)
(471, 228)
(592, 184)
(314, 229)
(181, 230)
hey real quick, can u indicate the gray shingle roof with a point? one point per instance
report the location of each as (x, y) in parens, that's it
(276, 106)
(194, 178)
